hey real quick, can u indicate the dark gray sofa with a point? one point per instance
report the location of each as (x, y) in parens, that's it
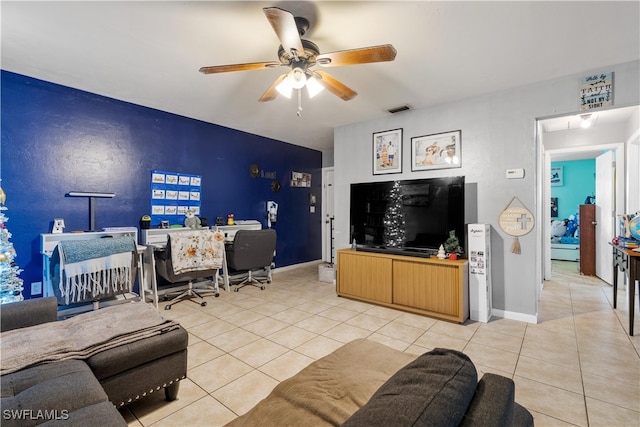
(83, 392)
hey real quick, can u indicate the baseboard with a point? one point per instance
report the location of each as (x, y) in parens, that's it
(296, 266)
(529, 318)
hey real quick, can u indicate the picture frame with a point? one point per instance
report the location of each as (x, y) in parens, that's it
(387, 152)
(436, 151)
(554, 207)
(556, 176)
(300, 179)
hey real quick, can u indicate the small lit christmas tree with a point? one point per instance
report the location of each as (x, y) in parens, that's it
(10, 284)
(394, 233)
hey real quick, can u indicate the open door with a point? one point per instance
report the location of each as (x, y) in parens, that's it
(328, 250)
(605, 214)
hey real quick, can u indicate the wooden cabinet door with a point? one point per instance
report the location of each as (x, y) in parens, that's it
(430, 287)
(365, 276)
(588, 240)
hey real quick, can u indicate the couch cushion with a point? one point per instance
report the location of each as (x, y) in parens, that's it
(29, 312)
(433, 390)
(492, 403)
(329, 390)
(34, 395)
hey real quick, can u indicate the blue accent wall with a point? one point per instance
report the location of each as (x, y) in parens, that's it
(579, 182)
(57, 139)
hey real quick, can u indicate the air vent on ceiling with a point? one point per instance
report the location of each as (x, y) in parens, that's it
(399, 109)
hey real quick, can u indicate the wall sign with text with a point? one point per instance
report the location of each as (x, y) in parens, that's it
(596, 91)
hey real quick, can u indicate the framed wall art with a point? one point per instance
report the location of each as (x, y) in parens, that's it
(437, 151)
(554, 207)
(556, 176)
(300, 179)
(387, 152)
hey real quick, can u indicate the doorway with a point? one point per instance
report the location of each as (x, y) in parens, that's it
(564, 139)
(328, 247)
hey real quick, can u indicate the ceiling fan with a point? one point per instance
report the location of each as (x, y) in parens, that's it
(301, 56)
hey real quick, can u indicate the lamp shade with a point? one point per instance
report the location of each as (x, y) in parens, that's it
(284, 88)
(297, 78)
(313, 87)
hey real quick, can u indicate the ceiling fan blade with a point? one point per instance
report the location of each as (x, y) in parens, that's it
(238, 67)
(335, 87)
(271, 93)
(284, 24)
(363, 55)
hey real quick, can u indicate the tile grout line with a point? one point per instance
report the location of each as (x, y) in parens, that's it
(575, 330)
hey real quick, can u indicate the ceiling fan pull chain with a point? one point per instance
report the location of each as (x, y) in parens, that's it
(299, 113)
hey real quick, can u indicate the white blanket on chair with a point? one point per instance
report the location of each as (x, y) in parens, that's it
(196, 250)
(96, 268)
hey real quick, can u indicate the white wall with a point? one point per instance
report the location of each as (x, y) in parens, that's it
(498, 133)
(633, 160)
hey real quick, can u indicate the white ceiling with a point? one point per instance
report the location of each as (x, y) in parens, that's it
(618, 118)
(149, 53)
(598, 118)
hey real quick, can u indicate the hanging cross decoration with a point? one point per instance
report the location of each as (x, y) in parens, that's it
(516, 221)
(523, 220)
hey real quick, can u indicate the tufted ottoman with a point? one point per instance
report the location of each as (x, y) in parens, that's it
(132, 371)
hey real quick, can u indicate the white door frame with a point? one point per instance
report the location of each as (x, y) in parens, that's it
(546, 200)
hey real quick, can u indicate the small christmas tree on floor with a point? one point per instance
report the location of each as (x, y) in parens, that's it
(10, 283)
(394, 233)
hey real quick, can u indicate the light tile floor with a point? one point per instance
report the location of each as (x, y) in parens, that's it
(577, 367)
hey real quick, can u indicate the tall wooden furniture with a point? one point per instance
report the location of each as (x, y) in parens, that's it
(588, 240)
(429, 286)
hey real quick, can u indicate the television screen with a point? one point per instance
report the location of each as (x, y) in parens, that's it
(408, 215)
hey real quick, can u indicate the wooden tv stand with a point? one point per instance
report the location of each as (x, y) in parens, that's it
(428, 286)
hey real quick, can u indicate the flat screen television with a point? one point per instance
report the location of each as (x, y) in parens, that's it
(407, 216)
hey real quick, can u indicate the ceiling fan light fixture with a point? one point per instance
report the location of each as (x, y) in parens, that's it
(284, 88)
(313, 86)
(297, 78)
